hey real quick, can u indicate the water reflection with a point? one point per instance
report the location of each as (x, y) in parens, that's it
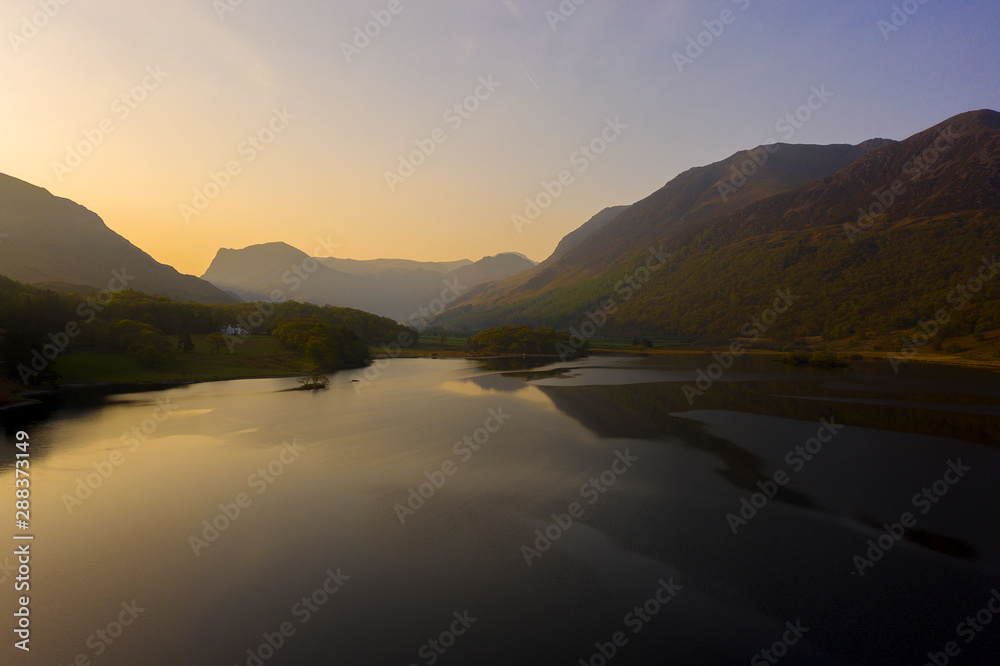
(366, 451)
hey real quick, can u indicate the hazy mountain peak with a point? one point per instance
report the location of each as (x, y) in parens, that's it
(390, 287)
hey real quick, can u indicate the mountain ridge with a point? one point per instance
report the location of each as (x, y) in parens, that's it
(953, 186)
(267, 270)
(50, 239)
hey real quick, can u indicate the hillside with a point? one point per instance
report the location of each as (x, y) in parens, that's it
(694, 197)
(58, 242)
(592, 225)
(138, 337)
(729, 257)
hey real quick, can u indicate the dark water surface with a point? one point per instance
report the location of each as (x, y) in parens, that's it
(638, 489)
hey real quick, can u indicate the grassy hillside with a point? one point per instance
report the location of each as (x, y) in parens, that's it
(257, 356)
(887, 281)
(930, 213)
(699, 196)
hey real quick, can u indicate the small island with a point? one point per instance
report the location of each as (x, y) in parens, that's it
(314, 382)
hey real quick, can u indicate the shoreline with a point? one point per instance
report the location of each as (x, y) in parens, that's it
(956, 361)
(138, 386)
(951, 360)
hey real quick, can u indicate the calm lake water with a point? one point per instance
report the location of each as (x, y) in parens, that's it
(625, 498)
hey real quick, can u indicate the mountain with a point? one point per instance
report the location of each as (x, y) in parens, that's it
(47, 239)
(388, 287)
(255, 272)
(372, 266)
(574, 238)
(739, 229)
(489, 269)
(694, 196)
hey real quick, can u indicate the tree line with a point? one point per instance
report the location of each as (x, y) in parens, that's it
(37, 325)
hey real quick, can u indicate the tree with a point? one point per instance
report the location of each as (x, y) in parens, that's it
(519, 340)
(315, 381)
(184, 342)
(325, 345)
(149, 356)
(216, 339)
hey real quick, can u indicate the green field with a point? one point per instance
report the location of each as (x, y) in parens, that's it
(257, 356)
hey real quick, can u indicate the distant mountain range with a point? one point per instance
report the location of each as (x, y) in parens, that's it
(57, 244)
(871, 236)
(388, 287)
(372, 266)
(61, 245)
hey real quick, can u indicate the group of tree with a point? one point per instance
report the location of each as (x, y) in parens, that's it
(39, 323)
(258, 318)
(521, 340)
(324, 344)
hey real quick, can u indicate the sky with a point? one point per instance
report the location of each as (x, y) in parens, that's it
(426, 129)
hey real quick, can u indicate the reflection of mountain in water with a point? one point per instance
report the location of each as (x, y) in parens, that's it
(644, 410)
(647, 411)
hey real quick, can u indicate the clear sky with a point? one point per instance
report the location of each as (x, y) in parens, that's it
(128, 107)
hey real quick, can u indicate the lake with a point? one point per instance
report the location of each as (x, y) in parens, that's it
(602, 511)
